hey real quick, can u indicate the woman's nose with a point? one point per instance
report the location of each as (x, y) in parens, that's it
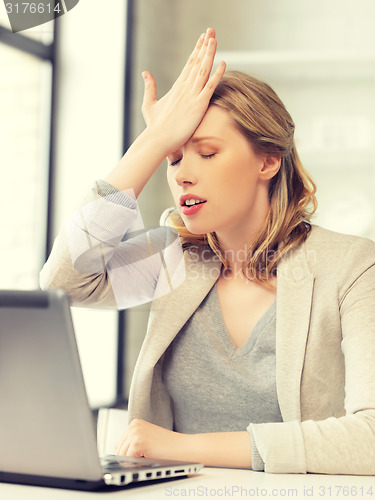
(185, 174)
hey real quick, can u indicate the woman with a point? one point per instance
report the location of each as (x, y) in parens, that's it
(228, 375)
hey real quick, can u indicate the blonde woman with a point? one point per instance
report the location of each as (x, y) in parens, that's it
(262, 353)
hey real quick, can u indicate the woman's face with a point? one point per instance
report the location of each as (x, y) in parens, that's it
(219, 169)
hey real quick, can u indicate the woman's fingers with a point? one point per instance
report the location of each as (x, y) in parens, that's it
(196, 57)
(122, 447)
(179, 112)
(202, 60)
(213, 82)
(131, 443)
(190, 62)
(204, 66)
(123, 444)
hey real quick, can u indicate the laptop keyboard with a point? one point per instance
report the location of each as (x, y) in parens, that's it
(118, 462)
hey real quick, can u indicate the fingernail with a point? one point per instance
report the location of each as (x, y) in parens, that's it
(144, 75)
(202, 36)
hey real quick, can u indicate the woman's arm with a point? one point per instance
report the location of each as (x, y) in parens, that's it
(143, 439)
(97, 266)
(90, 247)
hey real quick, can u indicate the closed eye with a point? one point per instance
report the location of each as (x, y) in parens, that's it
(175, 162)
(207, 157)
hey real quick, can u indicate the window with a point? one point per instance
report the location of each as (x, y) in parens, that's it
(31, 128)
(26, 92)
(25, 97)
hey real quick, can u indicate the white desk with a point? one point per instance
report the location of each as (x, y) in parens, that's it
(216, 484)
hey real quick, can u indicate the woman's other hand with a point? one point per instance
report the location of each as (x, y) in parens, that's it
(143, 439)
(176, 116)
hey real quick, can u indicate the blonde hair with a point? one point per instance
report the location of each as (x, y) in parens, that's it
(260, 116)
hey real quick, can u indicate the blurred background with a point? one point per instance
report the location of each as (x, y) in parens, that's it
(70, 97)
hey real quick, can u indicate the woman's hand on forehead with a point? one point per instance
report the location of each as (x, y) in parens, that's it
(176, 116)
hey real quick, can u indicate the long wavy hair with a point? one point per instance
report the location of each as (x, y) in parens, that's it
(262, 118)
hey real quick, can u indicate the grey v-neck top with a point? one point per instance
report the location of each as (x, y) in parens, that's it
(215, 386)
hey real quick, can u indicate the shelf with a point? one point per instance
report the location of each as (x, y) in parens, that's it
(302, 65)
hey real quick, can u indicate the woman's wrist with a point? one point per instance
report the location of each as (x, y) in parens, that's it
(218, 448)
(139, 163)
(157, 140)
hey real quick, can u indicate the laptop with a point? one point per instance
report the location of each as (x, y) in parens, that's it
(47, 429)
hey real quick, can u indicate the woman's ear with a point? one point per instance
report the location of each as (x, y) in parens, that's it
(271, 165)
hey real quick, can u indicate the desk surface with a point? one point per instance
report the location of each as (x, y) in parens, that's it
(218, 483)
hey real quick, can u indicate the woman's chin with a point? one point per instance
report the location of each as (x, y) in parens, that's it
(196, 224)
(195, 227)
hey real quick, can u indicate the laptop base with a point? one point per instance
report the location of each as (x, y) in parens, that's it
(52, 482)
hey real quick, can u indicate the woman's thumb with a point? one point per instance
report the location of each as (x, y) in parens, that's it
(149, 96)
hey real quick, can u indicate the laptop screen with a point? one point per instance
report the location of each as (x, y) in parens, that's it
(46, 425)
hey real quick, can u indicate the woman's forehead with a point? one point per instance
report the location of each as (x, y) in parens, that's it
(216, 123)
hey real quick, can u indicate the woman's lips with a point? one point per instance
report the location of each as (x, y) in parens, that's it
(192, 209)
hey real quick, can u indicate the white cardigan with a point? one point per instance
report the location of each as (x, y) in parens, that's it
(325, 349)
